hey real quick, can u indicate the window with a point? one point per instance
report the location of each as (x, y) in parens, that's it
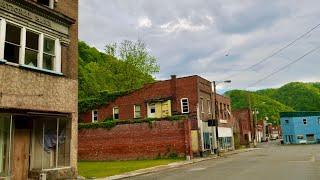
(50, 143)
(304, 121)
(137, 111)
(48, 54)
(185, 105)
(32, 49)
(221, 111)
(202, 105)
(209, 106)
(287, 121)
(116, 113)
(29, 48)
(300, 137)
(94, 115)
(49, 3)
(152, 108)
(12, 43)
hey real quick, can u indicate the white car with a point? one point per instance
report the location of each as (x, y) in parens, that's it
(303, 141)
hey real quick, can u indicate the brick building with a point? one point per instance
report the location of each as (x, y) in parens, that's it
(191, 96)
(38, 89)
(245, 120)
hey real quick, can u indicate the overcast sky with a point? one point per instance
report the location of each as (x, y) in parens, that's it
(212, 38)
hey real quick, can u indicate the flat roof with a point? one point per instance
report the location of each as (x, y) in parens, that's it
(300, 114)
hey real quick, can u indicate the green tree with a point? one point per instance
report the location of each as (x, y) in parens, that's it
(135, 54)
(99, 71)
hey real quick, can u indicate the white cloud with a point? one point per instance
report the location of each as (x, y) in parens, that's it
(144, 22)
(183, 24)
(214, 39)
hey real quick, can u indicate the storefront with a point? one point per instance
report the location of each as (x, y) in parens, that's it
(33, 144)
(225, 138)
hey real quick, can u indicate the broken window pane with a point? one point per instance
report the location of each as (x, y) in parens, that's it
(12, 43)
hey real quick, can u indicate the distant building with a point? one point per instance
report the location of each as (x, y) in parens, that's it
(191, 96)
(300, 127)
(244, 119)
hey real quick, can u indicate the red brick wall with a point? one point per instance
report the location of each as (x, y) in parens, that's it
(244, 119)
(135, 141)
(185, 87)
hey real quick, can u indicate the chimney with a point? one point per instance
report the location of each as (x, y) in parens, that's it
(173, 88)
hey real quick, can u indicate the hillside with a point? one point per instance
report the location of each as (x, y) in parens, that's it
(295, 96)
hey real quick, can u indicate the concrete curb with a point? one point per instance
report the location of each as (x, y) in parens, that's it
(173, 165)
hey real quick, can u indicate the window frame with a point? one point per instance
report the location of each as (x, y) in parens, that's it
(113, 109)
(135, 111)
(188, 106)
(202, 104)
(209, 106)
(51, 4)
(305, 121)
(22, 47)
(93, 115)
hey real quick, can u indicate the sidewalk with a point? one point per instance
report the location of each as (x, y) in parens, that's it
(174, 165)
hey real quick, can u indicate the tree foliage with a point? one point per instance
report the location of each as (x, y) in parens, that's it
(295, 96)
(102, 72)
(134, 54)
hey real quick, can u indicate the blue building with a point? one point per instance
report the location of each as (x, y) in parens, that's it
(300, 127)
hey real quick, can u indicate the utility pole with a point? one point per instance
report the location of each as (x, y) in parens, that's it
(216, 113)
(216, 117)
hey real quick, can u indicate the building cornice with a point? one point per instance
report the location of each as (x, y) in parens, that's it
(43, 11)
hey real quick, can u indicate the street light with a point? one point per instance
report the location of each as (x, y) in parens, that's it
(215, 83)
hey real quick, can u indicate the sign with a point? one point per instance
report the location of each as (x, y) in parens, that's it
(24, 13)
(225, 132)
(212, 122)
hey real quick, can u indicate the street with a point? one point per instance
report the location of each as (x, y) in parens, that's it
(272, 161)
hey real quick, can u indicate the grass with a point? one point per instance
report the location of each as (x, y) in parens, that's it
(100, 169)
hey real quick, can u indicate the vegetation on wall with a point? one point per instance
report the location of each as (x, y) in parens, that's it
(108, 124)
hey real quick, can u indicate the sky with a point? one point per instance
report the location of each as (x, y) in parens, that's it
(216, 39)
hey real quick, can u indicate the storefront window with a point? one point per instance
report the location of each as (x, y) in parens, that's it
(51, 143)
(5, 145)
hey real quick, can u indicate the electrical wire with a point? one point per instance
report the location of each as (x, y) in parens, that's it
(276, 52)
(284, 67)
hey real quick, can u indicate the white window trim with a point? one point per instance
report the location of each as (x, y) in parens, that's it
(92, 115)
(134, 111)
(116, 107)
(51, 4)
(57, 59)
(181, 101)
(209, 106)
(202, 104)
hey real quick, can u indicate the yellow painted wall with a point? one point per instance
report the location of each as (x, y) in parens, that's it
(194, 141)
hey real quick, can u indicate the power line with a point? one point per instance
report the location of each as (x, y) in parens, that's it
(284, 67)
(277, 52)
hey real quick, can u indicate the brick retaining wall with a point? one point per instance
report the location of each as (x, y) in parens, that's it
(136, 141)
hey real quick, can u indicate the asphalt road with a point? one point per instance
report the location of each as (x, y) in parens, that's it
(271, 162)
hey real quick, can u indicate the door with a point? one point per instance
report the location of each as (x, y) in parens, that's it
(20, 156)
